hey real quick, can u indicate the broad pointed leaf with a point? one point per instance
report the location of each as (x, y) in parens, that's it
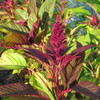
(15, 28)
(64, 51)
(95, 3)
(31, 20)
(37, 54)
(67, 58)
(70, 73)
(81, 49)
(16, 89)
(10, 61)
(47, 7)
(20, 90)
(37, 82)
(29, 98)
(32, 7)
(79, 10)
(21, 14)
(88, 89)
(15, 39)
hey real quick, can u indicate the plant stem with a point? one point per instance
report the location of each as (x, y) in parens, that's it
(57, 82)
(33, 72)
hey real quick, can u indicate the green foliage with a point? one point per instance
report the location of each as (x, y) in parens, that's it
(21, 14)
(36, 80)
(11, 60)
(79, 10)
(32, 7)
(15, 28)
(31, 20)
(48, 8)
(51, 65)
(94, 3)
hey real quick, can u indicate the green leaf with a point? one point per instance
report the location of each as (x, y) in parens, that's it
(21, 14)
(31, 20)
(95, 32)
(9, 61)
(84, 40)
(15, 28)
(95, 35)
(32, 6)
(79, 10)
(95, 3)
(47, 7)
(37, 83)
(74, 30)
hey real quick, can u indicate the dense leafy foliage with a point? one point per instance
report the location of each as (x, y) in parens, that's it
(38, 37)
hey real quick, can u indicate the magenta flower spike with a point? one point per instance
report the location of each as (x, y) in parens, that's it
(58, 40)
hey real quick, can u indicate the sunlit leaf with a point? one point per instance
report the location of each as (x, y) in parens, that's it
(15, 39)
(37, 83)
(15, 28)
(79, 10)
(47, 7)
(10, 61)
(88, 89)
(32, 7)
(31, 20)
(84, 40)
(21, 14)
(95, 3)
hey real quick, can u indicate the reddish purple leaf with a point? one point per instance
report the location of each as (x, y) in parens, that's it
(37, 54)
(16, 39)
(20, 89)
(70, 73)
(67, 58)
(88, 89)
(64, 51)
(16, 89)
(81, 49)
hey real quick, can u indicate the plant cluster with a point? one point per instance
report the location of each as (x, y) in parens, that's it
(37, 38)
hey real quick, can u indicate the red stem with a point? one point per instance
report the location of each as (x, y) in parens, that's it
(41, 80)
(57, 82)
(63, 92)
(26, 71)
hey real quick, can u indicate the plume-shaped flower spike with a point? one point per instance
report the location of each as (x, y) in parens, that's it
(58, 41)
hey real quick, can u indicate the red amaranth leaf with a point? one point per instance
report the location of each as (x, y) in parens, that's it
(88, 89)
(38, 54)
(67, 58)
(15, 39)
(16, 89)
(70, 72)
(20, 89)
(81, 49)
